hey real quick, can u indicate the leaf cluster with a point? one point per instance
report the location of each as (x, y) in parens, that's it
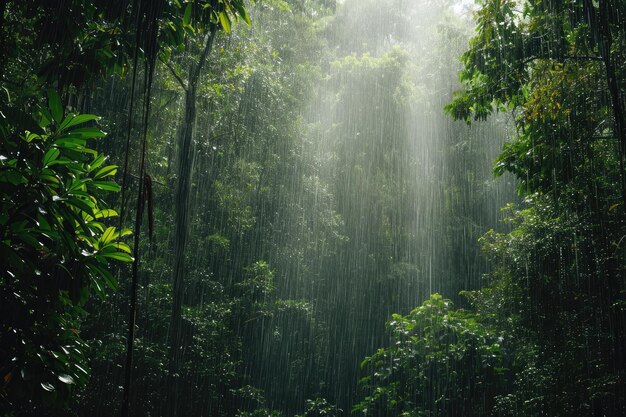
(440, 361)
(56, 250)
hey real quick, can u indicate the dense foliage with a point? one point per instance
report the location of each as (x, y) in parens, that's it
(295, 183)
(556, 293)
(272, 217)
(436, 340)
(55, 249)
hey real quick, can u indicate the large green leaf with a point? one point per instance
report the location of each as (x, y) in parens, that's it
(56, 108)
(106, 186)
(225, 21)
(83, 205)
(108, 235)
(73, 120)
(50, 156)
(101, 273)
(97, 162)
(119, 256)
(106, 171)
(187, 14)
(71, 143)
(88, 132)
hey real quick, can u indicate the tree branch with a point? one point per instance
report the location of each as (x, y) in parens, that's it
(175, 74)
(153, 180)
(193, 79)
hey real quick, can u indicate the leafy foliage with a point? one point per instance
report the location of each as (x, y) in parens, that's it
(558, 275)
(56, 249)
(516, 41)
(441, 361)
(320, 407)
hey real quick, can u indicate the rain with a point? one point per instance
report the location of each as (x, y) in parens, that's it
(312, 208)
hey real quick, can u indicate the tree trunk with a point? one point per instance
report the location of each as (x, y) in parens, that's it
(617, 316)
(606, 43)
(181, 222)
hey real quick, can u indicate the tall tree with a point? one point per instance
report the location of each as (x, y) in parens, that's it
(554, 64)
(214, 16)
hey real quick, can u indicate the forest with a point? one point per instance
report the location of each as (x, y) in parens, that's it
(313, 208)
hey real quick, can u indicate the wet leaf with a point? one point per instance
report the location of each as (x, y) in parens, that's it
(47, 386)
(66, 379)
(56, 108)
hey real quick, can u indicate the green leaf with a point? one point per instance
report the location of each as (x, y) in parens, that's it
(87, 132)
(106, 172)
(77, 168)
(50, 179)
(70, 143)
(108, 235)
(13, 177)
(100, 272)
(103, 214)
(77, 185)
(241, 11)
(81, 205)
(30, 240)
(99, 160)
(50, 156)
(73, 120)
(43, 223)
(95, 226)
(187, 15)
(56, 108)
(119, 256)
(32, 136)
(44, 118)
(225, 21)
(59, 162)
(123, 247)
(365, 362)
(107, 186)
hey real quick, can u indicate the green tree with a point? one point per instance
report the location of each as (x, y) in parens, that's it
(56, 248)
(207, 17)
(555, 66)
(441, 361)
